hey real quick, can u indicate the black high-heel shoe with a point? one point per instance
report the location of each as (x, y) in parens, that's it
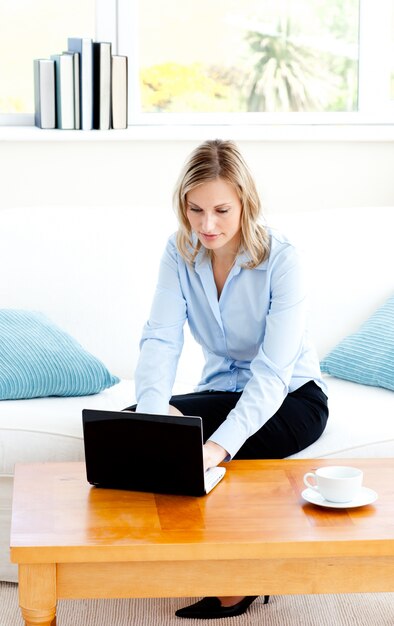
(211, 608)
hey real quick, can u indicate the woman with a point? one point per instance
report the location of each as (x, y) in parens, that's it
(239, 285)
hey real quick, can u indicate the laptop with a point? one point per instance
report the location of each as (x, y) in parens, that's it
(144, 452)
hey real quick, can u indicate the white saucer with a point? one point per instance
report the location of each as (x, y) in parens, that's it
(366, 496)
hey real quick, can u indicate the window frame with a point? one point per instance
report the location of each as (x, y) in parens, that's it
(375, 106)
(374, 40)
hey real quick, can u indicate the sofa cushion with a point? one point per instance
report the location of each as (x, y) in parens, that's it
(50, 429)
(360, 422)
(348, 255)
(38, 359)
(366, 356)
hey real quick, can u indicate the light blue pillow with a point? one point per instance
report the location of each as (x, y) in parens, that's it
(39, 359)
(367, 356)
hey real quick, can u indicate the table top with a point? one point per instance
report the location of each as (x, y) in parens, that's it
(256, 511)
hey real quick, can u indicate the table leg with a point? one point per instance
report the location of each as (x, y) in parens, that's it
(37, 593)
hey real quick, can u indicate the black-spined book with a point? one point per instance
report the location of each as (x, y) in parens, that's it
(101, 85)
(44, 93)
(64, 67)
(84, 47)
(119, 91)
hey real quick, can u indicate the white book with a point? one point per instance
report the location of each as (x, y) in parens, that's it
(119, 91)
(64, 70)
(77, 102)
(44, 93)
(84, 47)
(101, 85)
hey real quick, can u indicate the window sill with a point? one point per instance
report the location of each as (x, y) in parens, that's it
(170, 132)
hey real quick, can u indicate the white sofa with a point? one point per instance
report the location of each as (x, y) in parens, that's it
(92, 271)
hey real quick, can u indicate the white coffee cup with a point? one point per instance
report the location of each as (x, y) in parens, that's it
(336, 483)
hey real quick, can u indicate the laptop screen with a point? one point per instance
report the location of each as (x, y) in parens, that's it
(143, 452)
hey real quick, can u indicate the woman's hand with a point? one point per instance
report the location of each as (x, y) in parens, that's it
(213, 454)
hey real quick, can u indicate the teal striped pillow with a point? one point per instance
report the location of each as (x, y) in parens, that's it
(366, 356)
(39, 359)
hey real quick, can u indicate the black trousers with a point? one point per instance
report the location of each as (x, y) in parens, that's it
(299, 421)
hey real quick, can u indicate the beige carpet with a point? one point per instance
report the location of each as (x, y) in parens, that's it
(328, 610)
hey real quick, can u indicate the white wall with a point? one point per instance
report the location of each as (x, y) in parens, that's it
(291, 175)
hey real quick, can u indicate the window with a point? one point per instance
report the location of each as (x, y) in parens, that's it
(248, 55)
(240, 58)
(32, 29)
(217, 60)
(391, 56)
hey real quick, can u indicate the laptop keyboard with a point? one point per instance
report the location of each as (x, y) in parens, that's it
(212, 476)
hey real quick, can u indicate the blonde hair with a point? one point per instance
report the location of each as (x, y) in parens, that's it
(209, 161)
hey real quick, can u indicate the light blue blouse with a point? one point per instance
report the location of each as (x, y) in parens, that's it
(253, 337)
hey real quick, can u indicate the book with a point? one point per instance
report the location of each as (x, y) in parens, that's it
(84, 47)
(64, 71)
(77, 103)
(44, 93)
(119, 92)
(101, 85)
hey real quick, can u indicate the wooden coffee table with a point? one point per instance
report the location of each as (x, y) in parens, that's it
(253, 535)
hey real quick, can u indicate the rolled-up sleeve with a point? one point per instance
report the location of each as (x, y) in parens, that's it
(162, 338)
(272, 367)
